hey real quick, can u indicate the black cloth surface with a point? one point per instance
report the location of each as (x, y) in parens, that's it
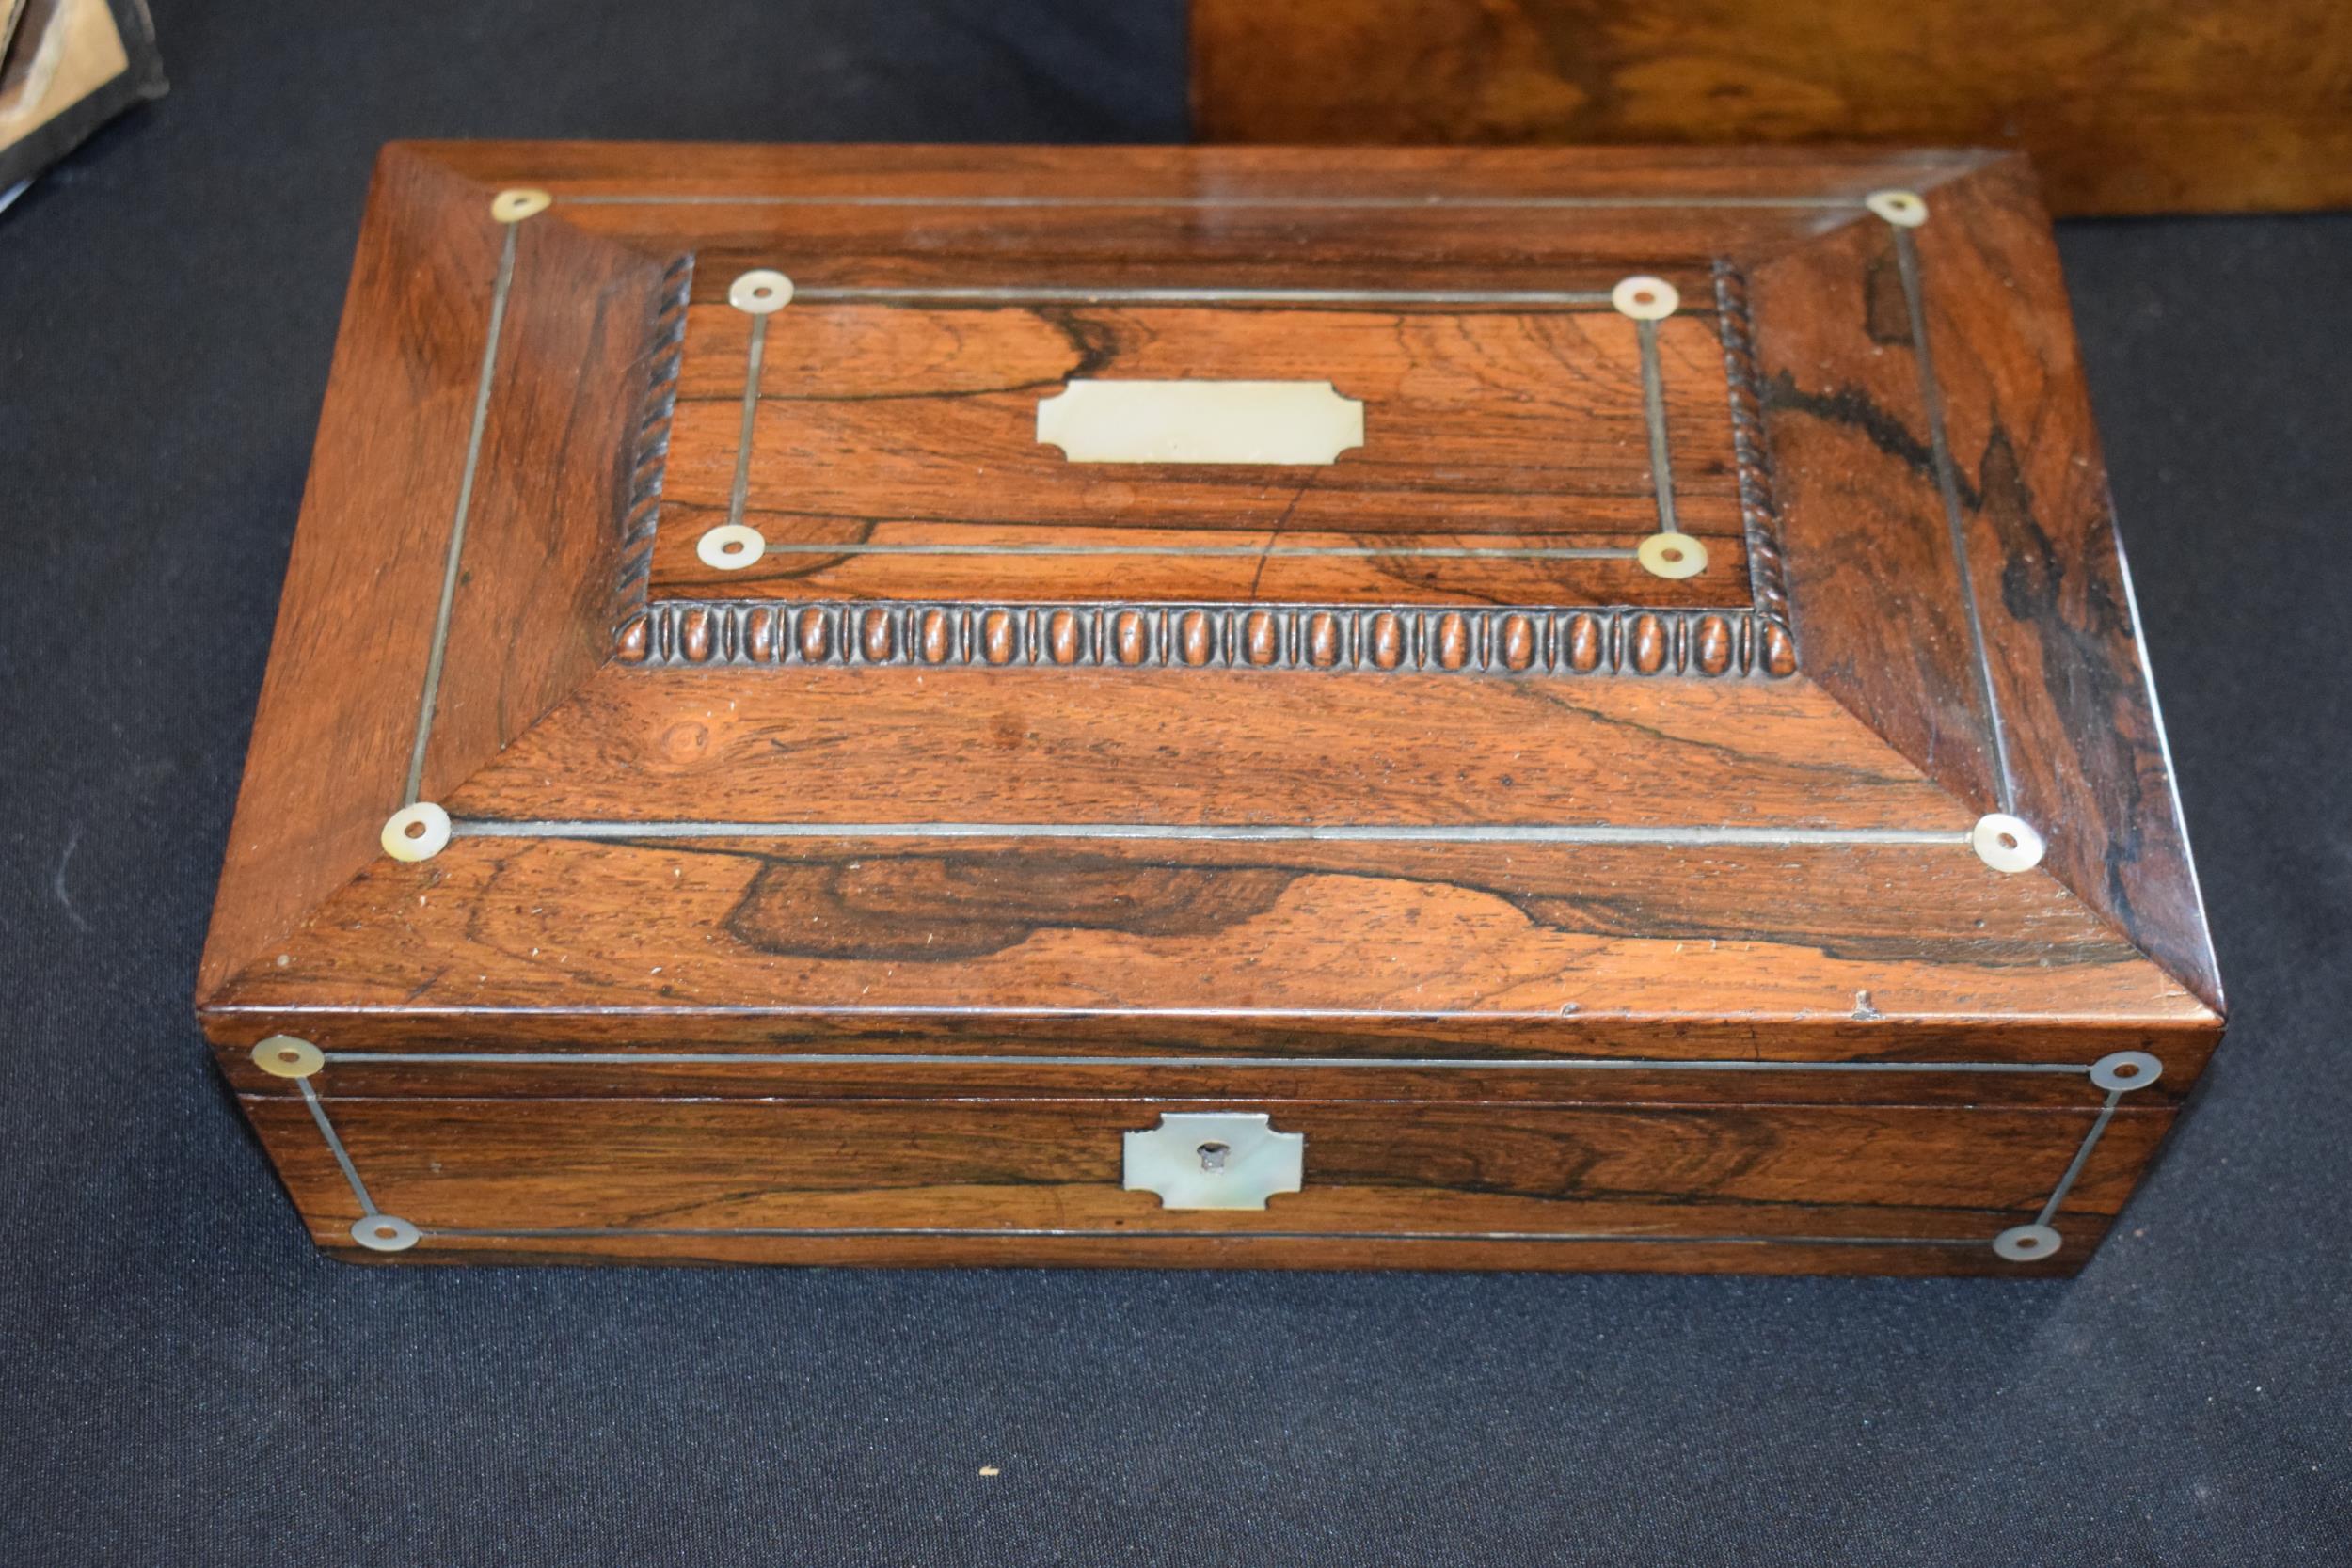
(183, 1380)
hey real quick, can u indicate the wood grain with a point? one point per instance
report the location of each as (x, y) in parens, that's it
(1111, 1036)
(1048, 850)
(1873, 585)
(907, 426)
(331, 740)
(541, 548)
(1199, 217)
(1877, 587)
(533, 617)
(1435, 1170)
(860, 745)
(2067, 671)
(1267, 1061)
(1767, 938)
(2127, 106)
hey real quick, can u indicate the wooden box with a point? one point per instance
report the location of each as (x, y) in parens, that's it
(1489, 709)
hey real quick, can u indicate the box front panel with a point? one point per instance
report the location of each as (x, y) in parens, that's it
(1027, 1180)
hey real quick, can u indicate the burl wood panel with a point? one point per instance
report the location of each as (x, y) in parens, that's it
(911, 425)
(2127, 106)
(1371, 1171)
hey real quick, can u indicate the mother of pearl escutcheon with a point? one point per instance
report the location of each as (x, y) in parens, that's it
(1214, 1160)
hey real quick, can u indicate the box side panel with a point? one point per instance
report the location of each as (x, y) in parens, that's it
(334, 735)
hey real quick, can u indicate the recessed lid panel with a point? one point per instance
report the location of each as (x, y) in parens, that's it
(1269, 444)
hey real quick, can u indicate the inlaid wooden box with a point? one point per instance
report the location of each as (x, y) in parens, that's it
(1491, 709)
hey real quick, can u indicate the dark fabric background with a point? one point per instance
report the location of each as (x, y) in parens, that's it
(183, 1381)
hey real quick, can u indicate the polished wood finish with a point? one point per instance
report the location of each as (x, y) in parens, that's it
(1530, 1179)
(1276, 1060)
(846, 909)
(2060, 724)
(1434, 638)
(1521, 429)
(334, 736)
(1774, 937)
(1120, 746)
(2127, 106)
(964, 216)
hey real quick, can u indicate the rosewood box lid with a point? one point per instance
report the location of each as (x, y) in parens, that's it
(1287, 604)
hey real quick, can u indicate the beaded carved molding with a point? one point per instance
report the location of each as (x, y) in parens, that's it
(1411, 597)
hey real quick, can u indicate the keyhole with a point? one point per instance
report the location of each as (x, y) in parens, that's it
(1212, 1156)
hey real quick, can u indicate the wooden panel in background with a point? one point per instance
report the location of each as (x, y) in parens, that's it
(2126, 106)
